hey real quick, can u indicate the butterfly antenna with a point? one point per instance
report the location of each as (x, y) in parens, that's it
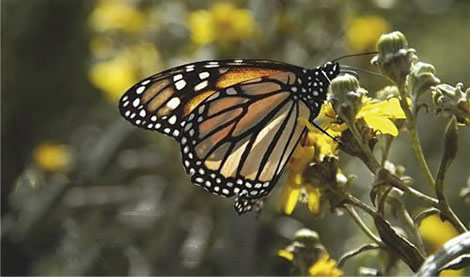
(349, 69)
(352, 72)
(355, 55)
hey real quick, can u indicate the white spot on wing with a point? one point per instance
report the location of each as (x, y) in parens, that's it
(204, 75)
(172, 119)
(140, 89)
(145, 82)
(136, 102)
(201, 85)
(177, 77)
(173, 103)
(180, 84)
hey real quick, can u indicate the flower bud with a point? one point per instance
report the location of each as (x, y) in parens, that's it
(307, 237)
(421, 78)
(450, 101)
(347, 96)
(387, 93)
(394, 58)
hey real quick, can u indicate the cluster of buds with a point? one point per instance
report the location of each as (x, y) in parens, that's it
(449, 101)
(394, 58)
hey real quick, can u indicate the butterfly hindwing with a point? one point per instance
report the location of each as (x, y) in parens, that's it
(238, 141)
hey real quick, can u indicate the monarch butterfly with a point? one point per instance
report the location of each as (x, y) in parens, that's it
(235, 120)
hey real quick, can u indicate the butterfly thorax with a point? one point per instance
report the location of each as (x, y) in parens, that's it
(312, 85)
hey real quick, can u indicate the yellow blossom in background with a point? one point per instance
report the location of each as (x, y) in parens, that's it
(435, 233)
(223, 23)
(362, 32)
(117, 15)
(101, 46)
(116, 75)
(51, 157)
(325, 266)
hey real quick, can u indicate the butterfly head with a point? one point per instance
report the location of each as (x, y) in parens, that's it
(331, 69)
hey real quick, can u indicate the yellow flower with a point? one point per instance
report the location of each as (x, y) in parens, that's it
(222, 23)
(116, 75)
(314, 147)
(101, 46)
(117, 15)
(317, 145)
(51, 157)
(325, 267)
(435, 233)
(379, 115)
(363, 31)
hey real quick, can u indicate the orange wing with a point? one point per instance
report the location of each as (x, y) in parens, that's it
(163, 101)
(238, 141)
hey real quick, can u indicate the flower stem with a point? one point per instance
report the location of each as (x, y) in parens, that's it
(362, 225)
(369, 158)
(411, 125)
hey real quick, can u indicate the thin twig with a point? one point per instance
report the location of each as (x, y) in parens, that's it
(348, 255)
(362, 225)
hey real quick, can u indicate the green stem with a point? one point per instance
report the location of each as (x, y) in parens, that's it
(362, 225)
(374, 166)
(369, 158)
(411, 125)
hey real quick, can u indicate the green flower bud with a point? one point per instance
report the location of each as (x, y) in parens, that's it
(394, 58)
(450, 101)
(421, 79)
(347, 96)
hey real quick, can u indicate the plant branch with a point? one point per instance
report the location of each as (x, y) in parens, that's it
(411, 125)
(355, 252)
(362, 225)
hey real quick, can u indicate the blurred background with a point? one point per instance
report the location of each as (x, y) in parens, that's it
(85, 193)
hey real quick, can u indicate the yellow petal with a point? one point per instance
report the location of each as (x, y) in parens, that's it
(313, 200)
(325, 267)
(390, 108)
(285, 254)
(289, 197)
(382, 124)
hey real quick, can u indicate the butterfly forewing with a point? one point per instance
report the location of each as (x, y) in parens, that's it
(163, 101)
